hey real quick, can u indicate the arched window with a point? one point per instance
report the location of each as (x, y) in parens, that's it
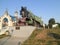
(5, 20)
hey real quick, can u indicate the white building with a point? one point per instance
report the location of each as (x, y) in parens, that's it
(7, 20)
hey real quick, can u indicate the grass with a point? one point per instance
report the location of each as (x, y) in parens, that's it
(2, 36)
(32, 40)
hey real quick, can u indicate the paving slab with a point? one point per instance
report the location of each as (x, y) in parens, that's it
(18, 36)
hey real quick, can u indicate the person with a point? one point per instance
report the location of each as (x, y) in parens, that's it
(11, 32)
(19, 43)
(44, 26)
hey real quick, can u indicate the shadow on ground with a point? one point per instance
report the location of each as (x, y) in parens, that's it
(54, 35)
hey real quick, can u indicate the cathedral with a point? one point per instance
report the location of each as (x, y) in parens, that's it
(7, 20)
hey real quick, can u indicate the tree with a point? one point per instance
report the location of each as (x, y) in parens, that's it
(51, 22)
(58, 24)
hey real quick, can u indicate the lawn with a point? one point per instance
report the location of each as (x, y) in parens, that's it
(2, 36)
(41, 37)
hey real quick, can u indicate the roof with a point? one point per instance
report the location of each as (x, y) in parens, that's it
(36, 18)
(13, 18)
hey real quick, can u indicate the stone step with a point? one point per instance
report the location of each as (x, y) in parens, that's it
(24, 31)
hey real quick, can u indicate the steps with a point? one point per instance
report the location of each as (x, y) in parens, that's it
(18, 35)
(25, 31)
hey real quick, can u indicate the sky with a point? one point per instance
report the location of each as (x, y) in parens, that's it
(45, 9)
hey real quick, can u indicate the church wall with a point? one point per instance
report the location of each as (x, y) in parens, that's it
(10, 23)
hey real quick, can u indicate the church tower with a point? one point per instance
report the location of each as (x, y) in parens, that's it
(16, 15)
(6, 12)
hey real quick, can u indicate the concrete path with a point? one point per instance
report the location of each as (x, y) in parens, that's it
(18, 36)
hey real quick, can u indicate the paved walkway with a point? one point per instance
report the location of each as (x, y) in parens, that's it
(18, 36)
